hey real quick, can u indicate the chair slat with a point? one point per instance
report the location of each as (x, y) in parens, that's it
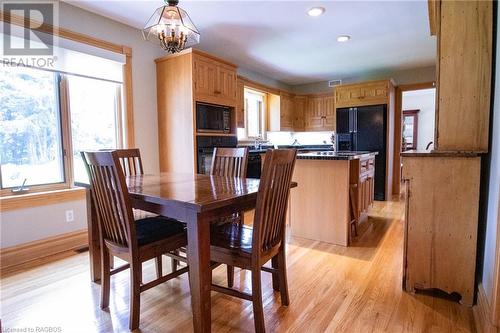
(272, 199)
(230, 162)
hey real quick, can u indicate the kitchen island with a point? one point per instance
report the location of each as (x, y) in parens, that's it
(334, 189)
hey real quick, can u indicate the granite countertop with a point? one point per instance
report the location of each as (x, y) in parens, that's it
(331, 155)
(264, 148)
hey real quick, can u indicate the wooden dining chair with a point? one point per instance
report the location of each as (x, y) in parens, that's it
(250, 248)
(134, 241)
(230, 162)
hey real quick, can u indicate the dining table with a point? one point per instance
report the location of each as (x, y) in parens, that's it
(195, 199)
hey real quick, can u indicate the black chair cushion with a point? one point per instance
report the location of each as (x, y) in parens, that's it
(152, 229)
(232, 236)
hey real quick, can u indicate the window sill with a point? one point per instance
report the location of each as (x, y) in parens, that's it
(30, 200)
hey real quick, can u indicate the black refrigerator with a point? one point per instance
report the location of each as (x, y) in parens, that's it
(365, 129)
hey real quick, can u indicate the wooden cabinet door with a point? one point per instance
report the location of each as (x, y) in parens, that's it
(240, 104)
(205, 74)
(347, 96)
(329, 113)
(314, 114)
(375, 93)
(225, 88)
(286, 116)
(299, 108)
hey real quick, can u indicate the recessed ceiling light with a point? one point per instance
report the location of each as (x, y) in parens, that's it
(316, 11)
(343, 38)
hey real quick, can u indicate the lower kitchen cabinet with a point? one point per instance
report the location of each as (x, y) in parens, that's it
(362, 183)
(441, 220)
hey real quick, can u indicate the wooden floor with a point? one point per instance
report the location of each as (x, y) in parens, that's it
(332, 289)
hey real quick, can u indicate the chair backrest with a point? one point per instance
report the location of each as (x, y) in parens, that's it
(272, 199)
(130, 160)
(110, 195)
(230, 162)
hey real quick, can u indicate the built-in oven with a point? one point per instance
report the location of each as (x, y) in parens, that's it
(254, 167)
(205, 149)
(211, 118)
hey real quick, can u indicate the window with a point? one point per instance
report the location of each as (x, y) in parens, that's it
(30, 128)
(35, 131)
(254, 113)
(94, 111)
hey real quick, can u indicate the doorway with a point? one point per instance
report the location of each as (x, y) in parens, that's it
(414, 122)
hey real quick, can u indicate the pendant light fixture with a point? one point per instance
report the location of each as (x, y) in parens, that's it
(172, 26)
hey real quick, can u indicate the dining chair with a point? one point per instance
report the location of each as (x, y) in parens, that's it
(131, 164)
(230, 162)
(251, 247)
(134, 241)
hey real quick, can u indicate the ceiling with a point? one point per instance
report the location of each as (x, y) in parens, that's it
(278, 39)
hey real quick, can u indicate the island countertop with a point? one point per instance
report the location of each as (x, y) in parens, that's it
(332, 155)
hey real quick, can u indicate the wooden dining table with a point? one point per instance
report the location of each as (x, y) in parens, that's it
(196, 200)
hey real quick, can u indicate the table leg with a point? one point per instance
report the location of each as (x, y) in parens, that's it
(94, 247)
(200, 273)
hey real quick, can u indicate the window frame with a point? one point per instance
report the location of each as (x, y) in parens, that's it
(262, 115)
(128, 132)
(66, 136)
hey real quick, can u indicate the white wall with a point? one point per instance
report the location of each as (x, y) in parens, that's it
(26, 225)
(494, 183)
(425, 101)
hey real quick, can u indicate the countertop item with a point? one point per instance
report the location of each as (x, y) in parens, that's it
(331, 155)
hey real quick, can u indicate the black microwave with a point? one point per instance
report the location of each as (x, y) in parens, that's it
(213, 118)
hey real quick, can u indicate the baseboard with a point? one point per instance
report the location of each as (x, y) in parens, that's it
(21, 254)
(482, 313)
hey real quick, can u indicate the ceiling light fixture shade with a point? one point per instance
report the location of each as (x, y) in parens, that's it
(343, 38)
(316, 11)
(173, 27)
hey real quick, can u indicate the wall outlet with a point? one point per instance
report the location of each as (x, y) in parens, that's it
(70, 217)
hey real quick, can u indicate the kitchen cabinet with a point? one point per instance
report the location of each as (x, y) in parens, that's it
(182, 79)
(299, 108)
(362, 94)
(465, 39)
(320, 113)
(362, 181)
(214, 81)
(240, 103)
(286, 112)
(441, 221)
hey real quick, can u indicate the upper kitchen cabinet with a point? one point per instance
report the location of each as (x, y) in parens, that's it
(299, 109)
(214, 80)
(182, 80)
(362, 94)
(286, 112)
(464, 30)
(240, 103)
(320, 113)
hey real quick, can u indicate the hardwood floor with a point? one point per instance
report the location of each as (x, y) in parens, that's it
(332, 289)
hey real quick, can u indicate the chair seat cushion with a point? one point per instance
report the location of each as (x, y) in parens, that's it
(232, 236)
(152, 229)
